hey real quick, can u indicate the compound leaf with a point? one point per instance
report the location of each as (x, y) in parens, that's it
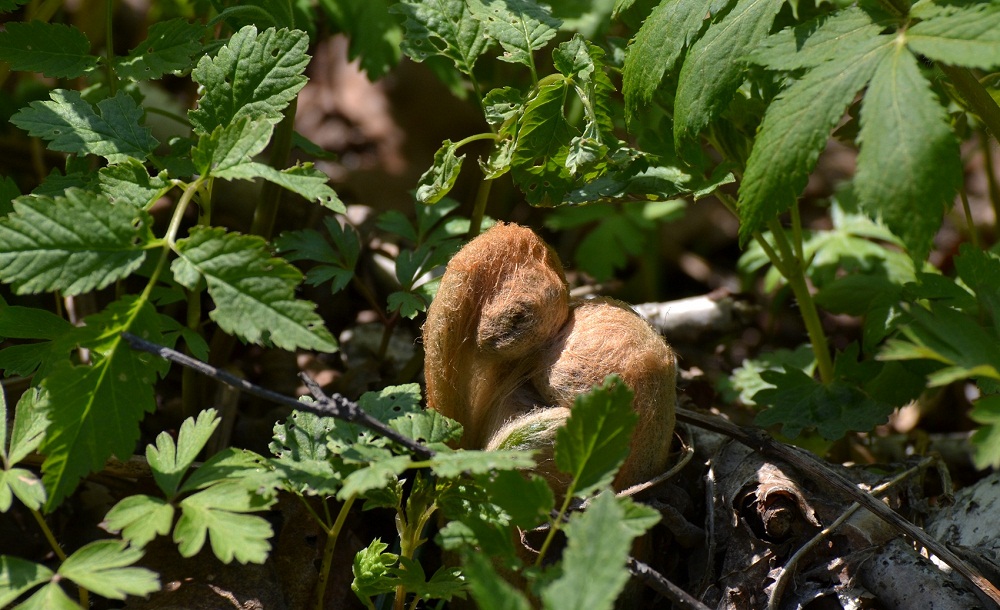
(218, 512)
(254, 75)
(170, 461)
(75, 243)
(18, 576)
(104, 567)
(967, 37)
(442, 27)
(909, 166)
(254, 293)
(520, 26)
(140, 519)
(54, 49)
(827, 38)
(170, 46)
(336, 262)
(70, 125)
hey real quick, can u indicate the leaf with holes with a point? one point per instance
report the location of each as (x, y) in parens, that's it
(442, 27)
(520, 26)
(437, 181)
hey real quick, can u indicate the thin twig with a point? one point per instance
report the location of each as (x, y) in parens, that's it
(657, 582)
(812, 467)
(335, 405)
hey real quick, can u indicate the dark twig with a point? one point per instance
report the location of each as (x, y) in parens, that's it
(335, 405)
(657, 582)
(812, 467)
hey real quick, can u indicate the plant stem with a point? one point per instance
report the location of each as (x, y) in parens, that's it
(271, 193)
(973, 233)
(61, 554)
(171, 235)
(331, 542)
(975, 95)
(991, 177)
(794, 272)
(479, 207)
(555, 524)
(109, 47)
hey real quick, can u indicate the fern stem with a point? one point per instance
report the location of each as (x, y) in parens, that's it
(479, 207)
(331, 542)
(975, 95)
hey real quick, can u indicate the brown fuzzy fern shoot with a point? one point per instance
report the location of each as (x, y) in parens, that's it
(508, 352)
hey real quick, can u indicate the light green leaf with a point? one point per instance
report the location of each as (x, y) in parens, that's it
(103, 567)
(75, 244)
(49, 597)
(427, 426)
(520, 26)
(442, 27)
(70, 125)
(95, 410)
(18, 576)
(795, 131)
(502, 104)
(254, 293)
(909, 166)
(170, 462)
(967, 37)
(657, 46)
(170, 46)
(218, 512)
(595, 440)
(437, 181)
(253, 75)
(453, 464)
(22, 484)
(28, 429)
(371, 571)
(129, 183)
(140, 519)
(715, 65)
(232, 145)
(376, 475)
(373, 34)
(592, 574)
(986, 439)
(831, 37)
(231, 464)
(54, 49)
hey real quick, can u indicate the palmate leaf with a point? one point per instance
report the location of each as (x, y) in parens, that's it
(254, 293)
(253, 75)
(520, 26)
(795, 131)
(336, 261)
(95, 410)
(54, 49)
(909, 167)
(827, 38)
(442, 27)
(140, 519)
(75, 243)
(714, 66)
(70, 125)
(17, 576)
(170, 46)
(218, 513)
(105, 567)
(657, 46)
(169, 460)
(967, 37)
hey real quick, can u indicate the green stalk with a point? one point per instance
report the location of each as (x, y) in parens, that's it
(479, 207)
(975, 95)
(554, 524)
(973, 233)
(61, 554)
(271, 193)
(331, 542)
(171, 235)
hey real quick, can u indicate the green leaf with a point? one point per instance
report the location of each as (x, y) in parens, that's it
(909, 166)
(219, 513)
(795, 131)
(442, 27)
(129, 183)
(22, 484)
(980, 271)
(595, 440)
(304, 180)
(539, 160)
(170, 46)
(520, 26)
(54, 49)
(437, 181)
(70, 125)
(986, 439)
(828, 38)
(95, 410)
(75, 244)
(104, 568)
(746, 379)
(371, 571)
(9, 191)
(170, 462)
(17, 576)
(374, 36)
(408, 304)
(28, 429)
(254, 293)
(140, 519)
(337, 261)
(715, 65)
(527, 499)
(49, 597)
(230, 146)
(232, 465)
(18, 322)
(453, 464)
(253, 75)
(376, 475)
(427, 426)
(593, 573)
(657, 46)
(967, 37)
(489, 589)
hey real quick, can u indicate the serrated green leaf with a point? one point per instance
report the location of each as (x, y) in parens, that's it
(374, 35)
(232, 464)
(140, 519)
(254, 293)
(830, 37)
(489, 589)
(75, 244)
(502, 104)
(408, 304)
(253, 75)
(442, 27)
(338, 261)
(231, 145)
(909, 166)
(638, 518)
(218, 512)
(54, 49)
(104, 568)
(595, 440)
(304, 179)
(170, 462)
(371, 570)
(657, 46)
(427, 427)
(966, 37)
(95, 410)
(986, 439)
(17, 576)
(538, 164)
(795, 131)
(453, 464)
(520, 26)
(129, 183)
(301, 447)
(592, 574)
(980, 271)
(8, 6)
(374, 476)
(527, 499)
(70, 125)
(170, 46)
(715, 65)
(746, 379)
(437, 181)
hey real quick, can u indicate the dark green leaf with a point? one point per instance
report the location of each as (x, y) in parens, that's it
(170, 46)
(539, 160)
(54, 49)
(337, 261)
(835, 38)
(520, 26)
(980, 271)
(374, 35)
(489, 589)
(967, 37)
(442, 27)
(528, 499)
